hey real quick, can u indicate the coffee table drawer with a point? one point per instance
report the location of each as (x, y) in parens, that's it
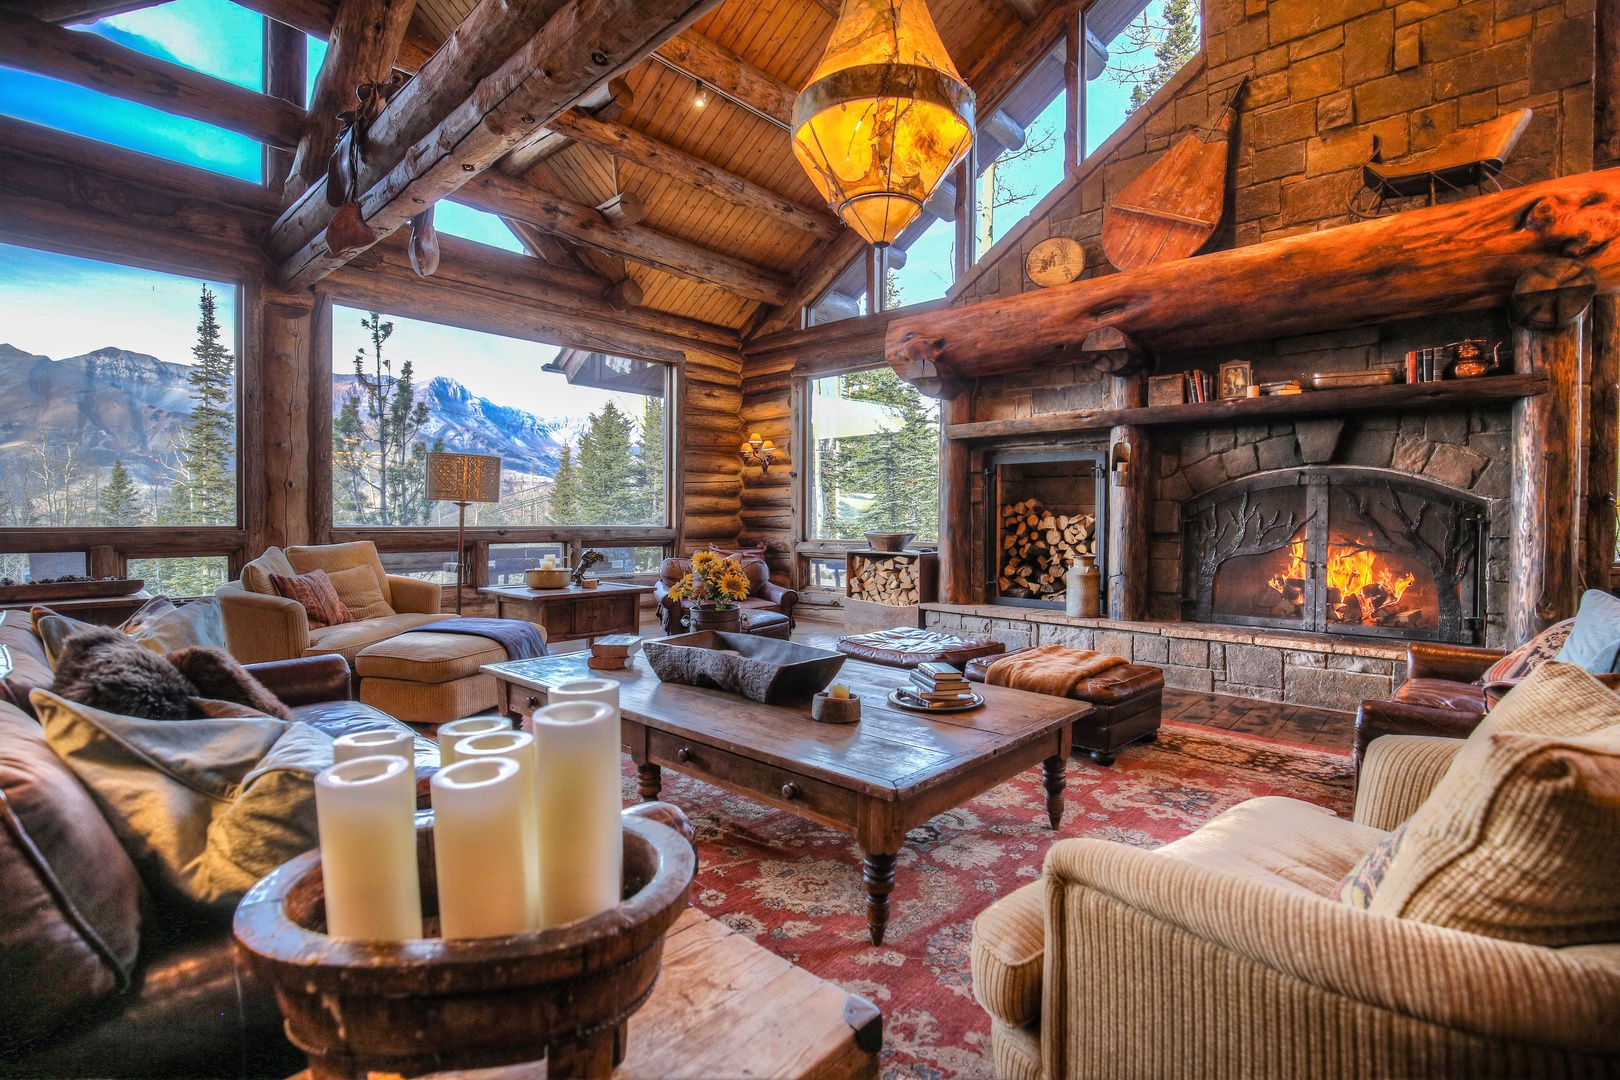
(805, 797)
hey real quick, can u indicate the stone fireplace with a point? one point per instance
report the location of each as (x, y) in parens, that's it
(1049, 507)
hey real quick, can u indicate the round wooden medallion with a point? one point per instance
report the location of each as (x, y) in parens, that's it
(1055, 261)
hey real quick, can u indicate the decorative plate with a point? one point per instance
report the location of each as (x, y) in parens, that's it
(901, 700)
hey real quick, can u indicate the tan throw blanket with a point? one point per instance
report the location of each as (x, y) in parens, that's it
(1050, 669)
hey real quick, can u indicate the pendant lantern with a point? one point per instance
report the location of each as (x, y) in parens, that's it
(885, 118)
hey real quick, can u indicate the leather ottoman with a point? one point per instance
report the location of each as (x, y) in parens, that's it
(427, 677)
(1127, 703)
(768, 624)
(906, 647)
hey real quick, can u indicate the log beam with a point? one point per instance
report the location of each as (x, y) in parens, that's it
(823, 267)
(364, 41)
(286, 60)
(1459, 257)
(94, 62)
(637, 148)
(1603, 446)
(956, 571)
(586, 43)
(502, 195)
(723, 71)
(607, 104)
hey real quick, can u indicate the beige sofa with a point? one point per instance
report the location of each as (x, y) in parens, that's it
(1220, 955)
(261, 625)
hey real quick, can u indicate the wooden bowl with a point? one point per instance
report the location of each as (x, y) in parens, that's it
(832, 710)
(556, 578)
(889, 541)
(428, 1005)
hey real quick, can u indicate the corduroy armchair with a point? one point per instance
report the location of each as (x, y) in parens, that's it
(1222, 955)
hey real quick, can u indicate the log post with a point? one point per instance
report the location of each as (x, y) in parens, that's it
(956, 570)
(1544, 585)
(1603, 437)
(286, 397)
(1129, 512)
(285, 61)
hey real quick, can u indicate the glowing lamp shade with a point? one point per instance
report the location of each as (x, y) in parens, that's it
(885, 118)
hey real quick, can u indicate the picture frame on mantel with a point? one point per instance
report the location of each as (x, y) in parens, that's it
(1235, 377)
(1167, 390)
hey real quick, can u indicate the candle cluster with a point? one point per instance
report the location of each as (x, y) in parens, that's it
(527, 833)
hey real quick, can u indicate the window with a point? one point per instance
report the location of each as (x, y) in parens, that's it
(118, 392)
(22, 567)
(1020, 150)
(198, 576)
(215, 37)
(507, 562)
(627, 561)
(929, 265)
(438, 567)
(825, 573)
(874, 457)
(1143, 49)
(582, 436)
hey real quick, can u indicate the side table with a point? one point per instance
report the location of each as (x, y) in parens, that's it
(570, 613)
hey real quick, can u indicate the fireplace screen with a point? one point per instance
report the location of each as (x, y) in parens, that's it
(1336, 550)
(1048, 509)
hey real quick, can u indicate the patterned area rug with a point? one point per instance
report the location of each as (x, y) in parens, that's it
(795, 887)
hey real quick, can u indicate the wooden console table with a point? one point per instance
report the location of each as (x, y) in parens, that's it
(610, 608)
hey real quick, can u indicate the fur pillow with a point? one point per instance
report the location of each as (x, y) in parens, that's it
(216, 674)
(102, 668)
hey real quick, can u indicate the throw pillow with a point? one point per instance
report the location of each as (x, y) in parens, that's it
(334, 557)
(204, 809)
(318, 596)
(54, 630)
(1358, 886)
(217, 676)
(1594, 641)
(256, 574)
(101, 667)
(196, 622)
(358, 589)
(1513, 841)
(1529, 656)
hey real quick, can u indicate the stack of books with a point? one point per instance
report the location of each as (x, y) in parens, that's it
(612, 653)
(939, 684)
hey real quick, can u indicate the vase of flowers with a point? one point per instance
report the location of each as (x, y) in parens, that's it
(714, 587)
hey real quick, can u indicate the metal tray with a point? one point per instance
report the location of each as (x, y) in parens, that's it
(1345, 380)
(900, 700)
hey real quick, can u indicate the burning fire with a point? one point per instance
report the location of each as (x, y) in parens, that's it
(1359, 588)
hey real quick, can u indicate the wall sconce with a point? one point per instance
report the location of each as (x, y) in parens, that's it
(758, 451)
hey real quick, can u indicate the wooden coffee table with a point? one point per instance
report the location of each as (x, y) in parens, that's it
(875, 780)
(572, 612)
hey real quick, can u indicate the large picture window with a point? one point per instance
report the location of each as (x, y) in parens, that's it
(582, 437)
(874, 457)
(118, 395)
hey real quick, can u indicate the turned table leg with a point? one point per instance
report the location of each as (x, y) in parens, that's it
(878, 873)
(1052, 775)
(650, 781)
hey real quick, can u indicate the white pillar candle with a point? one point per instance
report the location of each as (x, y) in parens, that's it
(456, 730)
(359, 744)
(365, 809)
(604, 690)
(577, 784)
(517, 747)
(478, 849)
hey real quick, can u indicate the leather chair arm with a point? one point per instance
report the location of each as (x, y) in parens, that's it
(415, 595)
(1427, 660)
(306, 680)
(1378, 718)
(778, 594)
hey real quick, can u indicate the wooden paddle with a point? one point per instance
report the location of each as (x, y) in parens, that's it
(1171, 210)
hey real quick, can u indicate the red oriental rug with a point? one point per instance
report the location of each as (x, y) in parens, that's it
(795, 887)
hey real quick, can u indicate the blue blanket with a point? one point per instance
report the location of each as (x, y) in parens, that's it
(521, 640)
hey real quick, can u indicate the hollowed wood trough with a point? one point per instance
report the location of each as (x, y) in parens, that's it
(428, 1005)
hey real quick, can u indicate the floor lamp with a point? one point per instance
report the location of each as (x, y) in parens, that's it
(463, 479)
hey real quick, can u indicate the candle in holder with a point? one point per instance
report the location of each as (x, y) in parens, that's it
(604, 690)
(517, 747)
(365, 809)
(577, 786)
(838, 690)
(478, 849)
(359, 744)
(456, 730)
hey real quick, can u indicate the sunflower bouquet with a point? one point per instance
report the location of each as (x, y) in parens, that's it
(712, 580)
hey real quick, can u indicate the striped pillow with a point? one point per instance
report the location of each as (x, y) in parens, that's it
(1527, 657)
(317, 594)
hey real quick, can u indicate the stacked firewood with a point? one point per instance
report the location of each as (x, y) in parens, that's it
(886, 581)
(1038, 546)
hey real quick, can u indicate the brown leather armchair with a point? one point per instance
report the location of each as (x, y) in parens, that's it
(1438, 698)
(763, 593)
(98, 977)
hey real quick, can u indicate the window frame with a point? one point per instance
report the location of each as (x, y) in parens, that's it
(108, 549)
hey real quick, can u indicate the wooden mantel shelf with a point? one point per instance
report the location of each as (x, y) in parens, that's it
(1436, 395)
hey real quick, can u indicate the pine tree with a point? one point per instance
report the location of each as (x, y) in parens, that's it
(119, 500)
(606, 468)
(647, 471)
(1174, 43)
(564, 505)
(379, 456)
(894, 473)
(206, 491)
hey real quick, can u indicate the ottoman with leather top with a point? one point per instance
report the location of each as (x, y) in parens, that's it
(906, 647)
(767, 624)
(427, 677)
(1127, 703)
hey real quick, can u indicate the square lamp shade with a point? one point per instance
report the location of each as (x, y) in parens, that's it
(464, 478)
